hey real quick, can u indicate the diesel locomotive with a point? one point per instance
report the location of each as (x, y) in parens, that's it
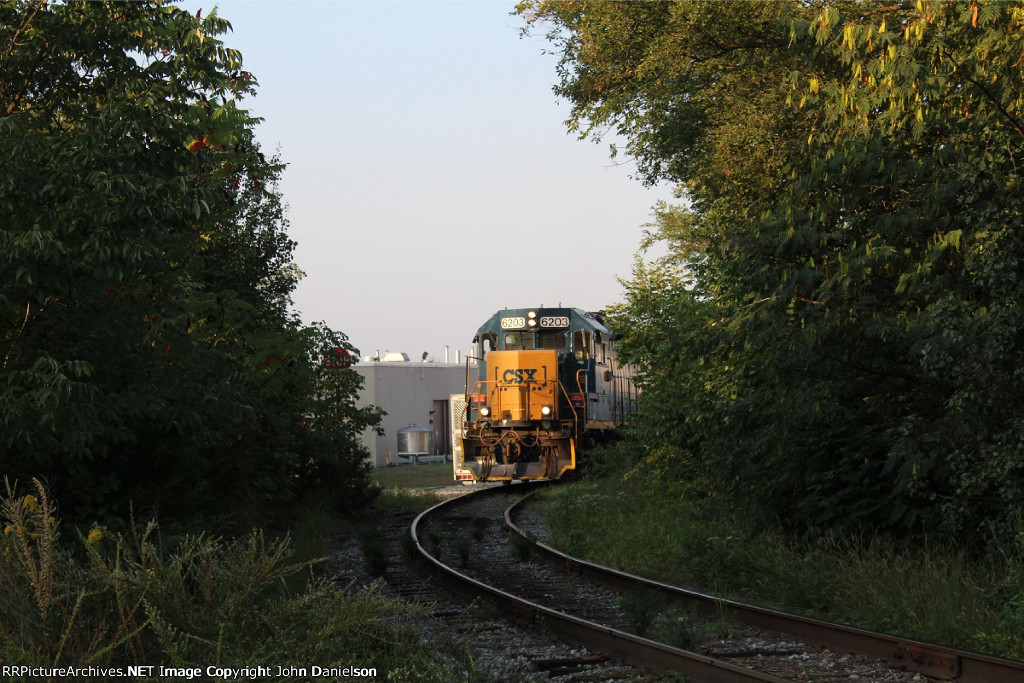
(548, 381)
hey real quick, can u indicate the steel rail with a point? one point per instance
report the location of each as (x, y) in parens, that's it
(639, 652)
(906, 654)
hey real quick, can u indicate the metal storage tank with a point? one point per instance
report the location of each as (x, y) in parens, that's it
(414, 442)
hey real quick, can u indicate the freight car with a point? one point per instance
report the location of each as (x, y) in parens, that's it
(548, 381)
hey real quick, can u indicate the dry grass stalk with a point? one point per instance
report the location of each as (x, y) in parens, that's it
(33, 523)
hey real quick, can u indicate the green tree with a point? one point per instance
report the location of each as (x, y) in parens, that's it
(852, 235)
(146, 346)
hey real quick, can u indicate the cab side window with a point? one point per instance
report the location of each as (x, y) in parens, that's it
(488, 342)
(581, 344)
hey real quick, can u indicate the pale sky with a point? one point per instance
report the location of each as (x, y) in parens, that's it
(431, 180)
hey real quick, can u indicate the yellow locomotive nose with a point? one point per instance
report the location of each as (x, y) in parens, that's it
(547, 378)
(515, 432)
(522, 385)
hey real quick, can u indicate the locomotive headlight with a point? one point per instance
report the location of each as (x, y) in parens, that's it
(547, 410)
(485, 411)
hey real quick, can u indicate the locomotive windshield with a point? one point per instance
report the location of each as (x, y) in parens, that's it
(547, 339)
(518, 340)
(552, 340)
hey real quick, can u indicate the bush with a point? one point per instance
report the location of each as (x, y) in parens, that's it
(111, 600)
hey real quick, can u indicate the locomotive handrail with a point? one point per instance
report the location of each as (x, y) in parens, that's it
(568, 399)
(579, 385)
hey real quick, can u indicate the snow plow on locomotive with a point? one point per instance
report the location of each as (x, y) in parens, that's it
(548, 381)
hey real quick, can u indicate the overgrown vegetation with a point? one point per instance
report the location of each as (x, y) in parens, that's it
(112, 600)
(682, 537)
(147, 350)
(149, 361)
(834, 333)
(831, 345)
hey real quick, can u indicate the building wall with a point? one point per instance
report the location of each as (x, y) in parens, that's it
(406, 392)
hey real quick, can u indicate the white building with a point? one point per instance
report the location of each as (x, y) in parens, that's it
(411, 394)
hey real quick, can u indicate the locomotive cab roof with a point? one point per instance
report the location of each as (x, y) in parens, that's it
(541, 318)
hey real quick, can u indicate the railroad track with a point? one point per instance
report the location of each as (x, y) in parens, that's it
(465, 543)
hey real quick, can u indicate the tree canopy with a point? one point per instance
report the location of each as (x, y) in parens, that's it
(148, 352)
(836, 333)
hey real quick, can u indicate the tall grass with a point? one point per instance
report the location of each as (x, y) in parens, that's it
(933, 593)
(116, 600)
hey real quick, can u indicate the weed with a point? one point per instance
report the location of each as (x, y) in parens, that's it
(463, 546)
(1011, 616)
(408, 545)
(640, 609)
(721, 625)
(681, 628)
(478, 527)
(375, 549)
(486, 609)
(519, 546)
(432, 541)
(314, 528)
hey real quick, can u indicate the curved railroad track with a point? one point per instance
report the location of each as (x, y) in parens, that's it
(464, 544)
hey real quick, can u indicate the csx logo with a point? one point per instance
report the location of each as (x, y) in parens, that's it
(519, 375)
